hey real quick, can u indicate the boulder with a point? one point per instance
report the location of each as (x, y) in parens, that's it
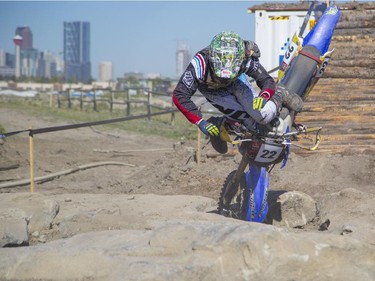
(24, 214)
(293, 209)
(193, 250)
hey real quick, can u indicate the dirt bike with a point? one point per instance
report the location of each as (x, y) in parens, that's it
(244, 194)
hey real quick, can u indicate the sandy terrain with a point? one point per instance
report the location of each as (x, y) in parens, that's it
(342, 184)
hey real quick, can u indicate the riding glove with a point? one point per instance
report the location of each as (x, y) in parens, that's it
(258, 103)
(261, 100)
(207, 128)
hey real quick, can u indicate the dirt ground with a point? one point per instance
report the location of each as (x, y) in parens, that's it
(342, 184)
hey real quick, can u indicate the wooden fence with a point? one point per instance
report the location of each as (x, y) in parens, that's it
(125, 100)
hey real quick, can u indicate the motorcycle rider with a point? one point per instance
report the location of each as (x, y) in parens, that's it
(219, 72)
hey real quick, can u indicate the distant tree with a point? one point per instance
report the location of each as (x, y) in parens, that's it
(91, 80)
(160, 85)
(56, 79)
(131, 81)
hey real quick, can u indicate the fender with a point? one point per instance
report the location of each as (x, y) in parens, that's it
(310, 61)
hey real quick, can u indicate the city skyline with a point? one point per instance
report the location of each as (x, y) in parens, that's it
(77, 62)
(134, 36)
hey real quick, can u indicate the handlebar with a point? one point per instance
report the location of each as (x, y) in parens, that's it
(245, 134)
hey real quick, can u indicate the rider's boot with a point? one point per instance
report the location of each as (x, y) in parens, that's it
(283, 97)
(291, 100)
(278, 99)
(217, 143)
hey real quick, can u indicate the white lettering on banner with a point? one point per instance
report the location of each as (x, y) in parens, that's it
(268, 153)
(188, 79)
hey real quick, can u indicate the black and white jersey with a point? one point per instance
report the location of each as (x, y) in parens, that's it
(232, 97)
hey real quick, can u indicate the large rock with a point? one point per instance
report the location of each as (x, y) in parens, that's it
(193, 250)
(13, 228)
(295, 209)
(23, 214)
(151, 237)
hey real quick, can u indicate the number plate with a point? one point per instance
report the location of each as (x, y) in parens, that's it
(268, 153)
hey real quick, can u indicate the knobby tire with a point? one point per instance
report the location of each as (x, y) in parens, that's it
(238, 204)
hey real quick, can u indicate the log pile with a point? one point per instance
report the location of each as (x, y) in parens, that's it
(343, 101)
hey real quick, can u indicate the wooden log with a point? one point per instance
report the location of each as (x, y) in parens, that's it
(133, 150)
(357, 23)
(353, 63)
(347, 16)
(352, 37)
(349, 72)
(61, 173)
(340, 56)
(354, 31)
(347, 52)
(9, 165)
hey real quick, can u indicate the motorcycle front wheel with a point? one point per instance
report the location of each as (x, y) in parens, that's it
(233, 199)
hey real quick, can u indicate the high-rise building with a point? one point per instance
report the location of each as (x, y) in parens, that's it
(29, 62)
(77, 51)
(10, 60)
(2, 58)
(27, 37)
(5, 70)
(105, 71)
(182, 58)
(47, 65)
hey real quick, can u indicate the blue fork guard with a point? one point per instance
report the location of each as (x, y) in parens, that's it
(257, 179)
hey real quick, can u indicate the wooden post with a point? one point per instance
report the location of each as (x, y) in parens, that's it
(94, 101)
(81, 101)
(31, 144)
(69, 100)
(111, 101)
(149, 105)
(50, 99)
(58, 100)
(173, 117)
(127, 103)
(199, 147)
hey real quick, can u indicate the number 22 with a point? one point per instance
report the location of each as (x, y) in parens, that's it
(268, 154)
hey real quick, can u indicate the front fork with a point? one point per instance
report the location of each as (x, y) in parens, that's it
(257, 180)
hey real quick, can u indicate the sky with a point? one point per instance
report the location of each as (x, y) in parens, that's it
(137, 36)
